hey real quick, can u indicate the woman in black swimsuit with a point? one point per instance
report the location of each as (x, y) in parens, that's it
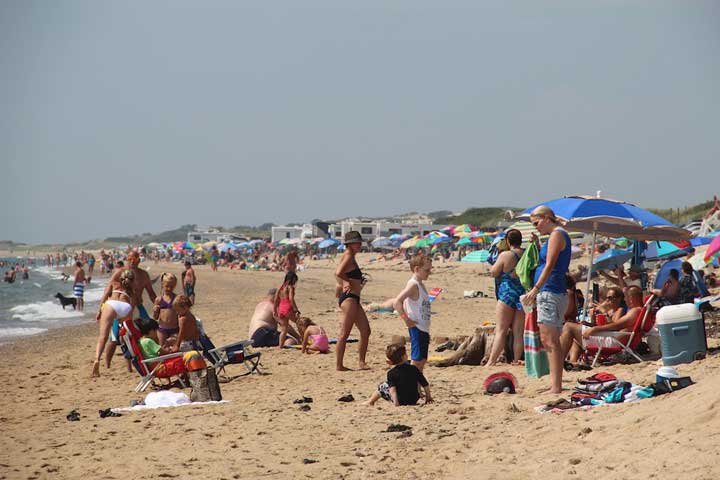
(349, 284)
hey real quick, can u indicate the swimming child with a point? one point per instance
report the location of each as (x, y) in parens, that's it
(403, 380)
(314, 338)
(413, 306)
(163, 311)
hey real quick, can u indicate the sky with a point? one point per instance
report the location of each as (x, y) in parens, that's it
(127, 117)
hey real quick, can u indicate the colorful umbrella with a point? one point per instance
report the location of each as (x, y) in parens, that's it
(712, 249)
(478, 256)
(665, 251)
(410, 242)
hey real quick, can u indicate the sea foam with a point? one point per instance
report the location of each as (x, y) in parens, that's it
(43, 311)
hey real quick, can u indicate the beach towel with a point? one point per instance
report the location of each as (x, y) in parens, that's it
(525, 268)
(536, 361)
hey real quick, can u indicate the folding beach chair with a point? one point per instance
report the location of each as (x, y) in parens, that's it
(165, 366)
(644, 322)
(232, 353)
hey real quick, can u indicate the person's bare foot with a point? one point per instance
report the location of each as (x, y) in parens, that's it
(342, 368)
(517, 362)
(96, 369)
(363, 366)
(368, 403)
(551, 391)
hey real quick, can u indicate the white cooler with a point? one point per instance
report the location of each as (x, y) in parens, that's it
(682, 333)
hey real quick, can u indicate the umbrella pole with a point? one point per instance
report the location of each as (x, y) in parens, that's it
(589, 275)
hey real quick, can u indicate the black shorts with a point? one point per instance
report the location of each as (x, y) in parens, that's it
(265, 337)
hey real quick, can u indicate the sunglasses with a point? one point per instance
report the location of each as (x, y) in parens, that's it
(611, 297)
(536, 223)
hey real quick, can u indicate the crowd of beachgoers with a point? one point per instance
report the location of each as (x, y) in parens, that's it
(530, 276)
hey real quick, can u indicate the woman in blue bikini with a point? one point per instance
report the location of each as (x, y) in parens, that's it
(350, 281)
(509, 310)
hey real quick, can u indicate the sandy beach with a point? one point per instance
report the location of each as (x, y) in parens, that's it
(262, 434)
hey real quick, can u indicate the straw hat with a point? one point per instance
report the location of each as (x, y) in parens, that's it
(353, 236)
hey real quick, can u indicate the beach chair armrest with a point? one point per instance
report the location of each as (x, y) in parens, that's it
(241, 343)
(162, 358)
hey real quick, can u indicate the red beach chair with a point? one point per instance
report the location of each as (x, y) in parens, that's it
(165, 366)
(643, 324)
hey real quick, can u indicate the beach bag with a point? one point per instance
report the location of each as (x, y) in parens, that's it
(205, 385)
(496, 248)
(536, 360)
(525, 268)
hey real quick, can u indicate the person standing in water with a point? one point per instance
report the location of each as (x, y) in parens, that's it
(79, 285)
(350, 281)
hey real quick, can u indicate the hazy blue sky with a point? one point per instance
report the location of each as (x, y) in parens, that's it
(132, 116)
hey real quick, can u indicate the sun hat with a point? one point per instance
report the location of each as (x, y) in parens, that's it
(353, 236)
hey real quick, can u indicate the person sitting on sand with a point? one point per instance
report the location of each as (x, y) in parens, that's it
(263, 329)
(314, 338)
(163, 310)
(285, 309)
(575, 334)
(188, 332)
(403, 380)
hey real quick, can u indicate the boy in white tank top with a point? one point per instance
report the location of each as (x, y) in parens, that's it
(413, 305)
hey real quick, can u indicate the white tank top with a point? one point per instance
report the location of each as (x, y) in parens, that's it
(418, 310)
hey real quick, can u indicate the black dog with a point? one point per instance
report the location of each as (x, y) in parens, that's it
(65, 301)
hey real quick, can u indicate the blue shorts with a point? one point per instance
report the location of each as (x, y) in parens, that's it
(419, 344)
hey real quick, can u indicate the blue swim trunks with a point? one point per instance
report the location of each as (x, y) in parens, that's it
(419, 344)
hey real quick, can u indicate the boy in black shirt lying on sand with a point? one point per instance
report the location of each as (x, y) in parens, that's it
(403, 380)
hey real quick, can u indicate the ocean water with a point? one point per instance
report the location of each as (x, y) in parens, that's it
(29, 307)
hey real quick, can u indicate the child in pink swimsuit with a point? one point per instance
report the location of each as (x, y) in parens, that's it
(314, 338)
(285, 308)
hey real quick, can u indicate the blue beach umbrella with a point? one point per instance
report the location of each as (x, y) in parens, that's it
(612, 218)
(611, 259)
(327, 243)
(664, 272)
(381, 242)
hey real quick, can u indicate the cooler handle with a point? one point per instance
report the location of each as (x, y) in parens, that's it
(680, 330)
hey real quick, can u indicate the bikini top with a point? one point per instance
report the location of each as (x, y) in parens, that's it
(355, 274)
(165, 305)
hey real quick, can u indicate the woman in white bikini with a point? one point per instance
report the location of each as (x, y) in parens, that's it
(119, 306)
